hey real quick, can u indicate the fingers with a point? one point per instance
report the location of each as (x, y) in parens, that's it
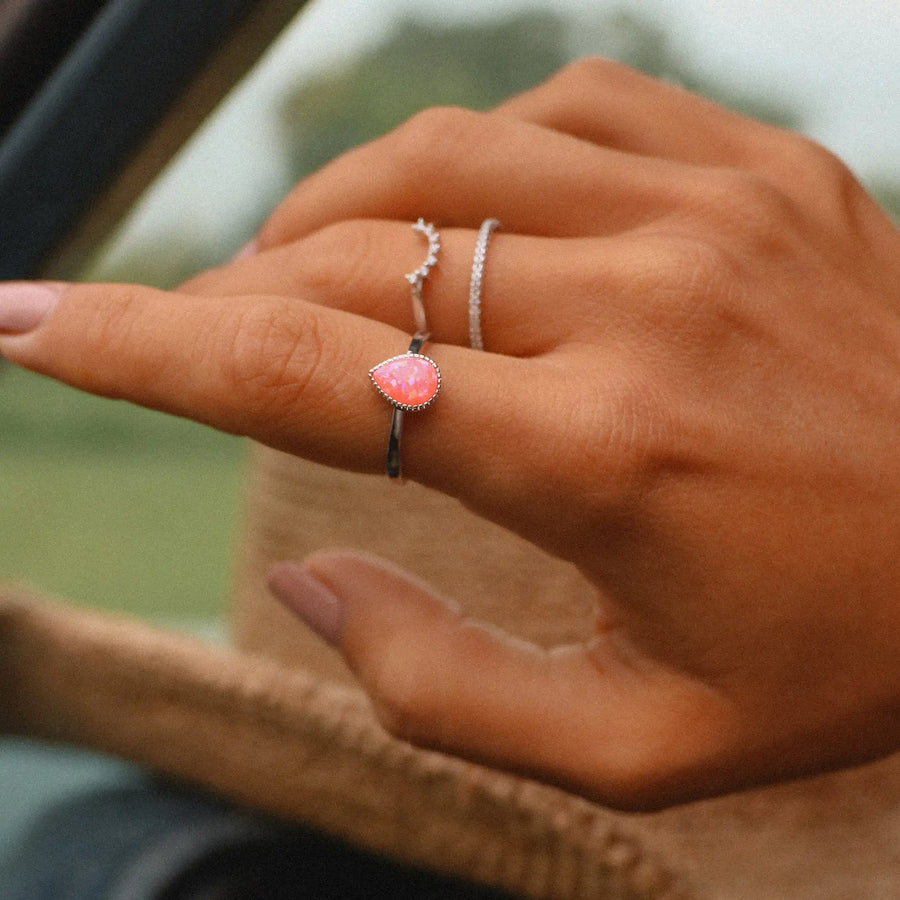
(597, 150)
(359, 266)
(290, 374)
(457, 168)
(615, 106)
(234, 364)
(578, 716)
(611, 105)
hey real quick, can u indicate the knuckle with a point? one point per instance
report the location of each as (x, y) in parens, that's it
(559, 102)
(679, 740)
(832, 179)
(600, 453)
(806, 156)
(434, 135)
(561, 98)
(339, 264)
(653, 763)
(269, 357)
(681, 268)
(590, 70)
(752, 205)
(280, 225)
(113, 331)
(278, 228)
(744, 215)
(411, 698)
(692, 284)
(810, 170)
(699, 307)
(634, 430)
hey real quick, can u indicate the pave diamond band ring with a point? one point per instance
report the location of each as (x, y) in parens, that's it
(476, 341)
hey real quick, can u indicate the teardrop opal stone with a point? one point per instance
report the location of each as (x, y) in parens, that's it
(409, 382)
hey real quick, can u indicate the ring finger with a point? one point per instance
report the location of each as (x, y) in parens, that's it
(455, 167)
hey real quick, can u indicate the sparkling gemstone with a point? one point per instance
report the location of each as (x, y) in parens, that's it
(410, 382)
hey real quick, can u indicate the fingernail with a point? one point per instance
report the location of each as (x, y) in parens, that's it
(249, 249)
(24, 305)
(311, 600)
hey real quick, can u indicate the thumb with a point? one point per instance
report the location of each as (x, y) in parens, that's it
(579, 716)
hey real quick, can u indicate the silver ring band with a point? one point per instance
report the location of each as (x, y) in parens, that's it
(476, 341)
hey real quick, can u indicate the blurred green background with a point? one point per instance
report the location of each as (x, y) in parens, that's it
(120, 508)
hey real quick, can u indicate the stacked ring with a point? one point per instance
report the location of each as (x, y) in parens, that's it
(476, 342)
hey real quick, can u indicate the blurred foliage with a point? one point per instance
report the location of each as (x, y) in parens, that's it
(152, 532)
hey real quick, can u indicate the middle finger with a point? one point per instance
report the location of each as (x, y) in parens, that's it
(528, 306)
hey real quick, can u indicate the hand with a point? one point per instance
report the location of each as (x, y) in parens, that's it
(692, 392)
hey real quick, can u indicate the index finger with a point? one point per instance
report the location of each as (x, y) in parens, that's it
(293, 375)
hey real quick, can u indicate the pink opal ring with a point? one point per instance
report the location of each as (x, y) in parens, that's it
(409, 382)
(412, 381)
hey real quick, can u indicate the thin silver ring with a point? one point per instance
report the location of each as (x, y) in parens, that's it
(476, 341)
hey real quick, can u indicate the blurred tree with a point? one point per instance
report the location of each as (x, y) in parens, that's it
(477, 66)
(419, 65)
(887, 193)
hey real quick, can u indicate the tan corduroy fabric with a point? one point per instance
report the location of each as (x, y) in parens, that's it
(279, 724)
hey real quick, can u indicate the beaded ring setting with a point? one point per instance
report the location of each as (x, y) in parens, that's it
(417, 278)
(409, 382)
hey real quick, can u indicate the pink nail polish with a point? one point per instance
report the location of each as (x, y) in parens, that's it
(311, 600)
(24, 305)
